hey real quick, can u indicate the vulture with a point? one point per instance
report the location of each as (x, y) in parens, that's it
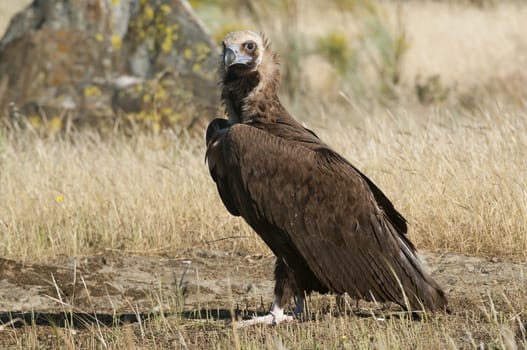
(331, 228)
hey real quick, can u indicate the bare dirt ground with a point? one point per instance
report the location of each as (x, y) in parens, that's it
(116, 289)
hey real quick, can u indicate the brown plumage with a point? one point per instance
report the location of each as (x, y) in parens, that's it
(330, 227)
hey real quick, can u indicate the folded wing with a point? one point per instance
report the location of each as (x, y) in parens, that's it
(343, 226)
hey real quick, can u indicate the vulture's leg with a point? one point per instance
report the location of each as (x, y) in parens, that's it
(284, 290)
(299, 305)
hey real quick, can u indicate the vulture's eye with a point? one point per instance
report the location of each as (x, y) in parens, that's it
(250, 46)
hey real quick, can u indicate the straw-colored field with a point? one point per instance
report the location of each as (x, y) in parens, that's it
(132, 209)
(460, 180)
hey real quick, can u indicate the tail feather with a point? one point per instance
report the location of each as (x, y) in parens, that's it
(424, 292)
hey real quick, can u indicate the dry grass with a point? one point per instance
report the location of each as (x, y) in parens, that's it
(482, 325)
(465, 44)
(146, 194)
(460, 180)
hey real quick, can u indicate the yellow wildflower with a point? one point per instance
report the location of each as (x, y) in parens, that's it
(34, 120)
(166, 46)
(116, 41)
(55, 124)
(92, 91)
(166, 9)
(187, 53)
(99, 37)
(149, 13)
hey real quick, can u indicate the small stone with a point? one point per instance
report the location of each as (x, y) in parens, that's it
(470, 267)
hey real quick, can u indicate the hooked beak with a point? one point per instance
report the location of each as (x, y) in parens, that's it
(232, 56)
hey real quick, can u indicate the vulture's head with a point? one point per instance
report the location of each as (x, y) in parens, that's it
(243, 51)
(249, 72)
(246, 52)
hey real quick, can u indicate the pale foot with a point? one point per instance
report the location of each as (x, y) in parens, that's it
(276, 315)
(267, 319)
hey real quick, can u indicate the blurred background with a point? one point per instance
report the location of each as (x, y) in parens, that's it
(457, 52)
(338, 56)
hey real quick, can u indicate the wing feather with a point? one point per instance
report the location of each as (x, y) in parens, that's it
(344, 227)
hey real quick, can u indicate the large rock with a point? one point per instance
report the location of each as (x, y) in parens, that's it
(108, 63)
